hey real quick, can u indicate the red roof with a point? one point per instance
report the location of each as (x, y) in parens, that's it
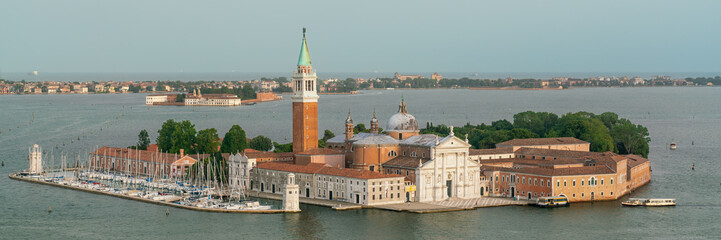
(320, 151)
(143, 155)
(473, 152)
(635, 160)
(318, 168)
(543, 141)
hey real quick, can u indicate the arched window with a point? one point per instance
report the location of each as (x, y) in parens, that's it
(392, 153)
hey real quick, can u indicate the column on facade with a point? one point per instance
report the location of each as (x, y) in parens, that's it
(443, 176)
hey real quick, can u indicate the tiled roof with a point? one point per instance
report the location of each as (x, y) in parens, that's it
(269, 154)
(377, 139)
(318, 168)
(473, 152)
(310, 168)
(423, 140)
(355, 173)
(143, 155)
(635, 160)
(405, 162)
(559, 153)
(320, 151)
(542, 141)
(585, 170)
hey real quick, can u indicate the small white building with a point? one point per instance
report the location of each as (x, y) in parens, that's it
(155, 98)
(35, 156)
(290, 195)
(199, 99)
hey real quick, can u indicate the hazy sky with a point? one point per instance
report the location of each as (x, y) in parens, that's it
(361, 36)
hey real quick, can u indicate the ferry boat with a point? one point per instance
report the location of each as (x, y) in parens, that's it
(555, 201)
(649, 202)
(672, 146)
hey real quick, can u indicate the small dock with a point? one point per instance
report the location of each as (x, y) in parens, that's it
(336, 205)
(413, 207)
(452, 205)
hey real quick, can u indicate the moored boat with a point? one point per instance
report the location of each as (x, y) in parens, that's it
(555, 201)
(649, 202)
(672, 146)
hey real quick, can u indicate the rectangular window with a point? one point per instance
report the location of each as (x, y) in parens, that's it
(574, 183)
(611, 183)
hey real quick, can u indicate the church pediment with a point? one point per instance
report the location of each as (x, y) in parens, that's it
(452, 142)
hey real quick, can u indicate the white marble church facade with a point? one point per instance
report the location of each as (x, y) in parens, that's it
(449, 173)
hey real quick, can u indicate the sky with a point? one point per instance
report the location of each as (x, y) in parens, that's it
(361, 36)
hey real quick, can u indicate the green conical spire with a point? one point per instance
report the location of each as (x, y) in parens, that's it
(304, 58)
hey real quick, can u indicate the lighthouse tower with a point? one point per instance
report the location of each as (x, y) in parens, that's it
(305, 103)
(290, 195)
(35, 155)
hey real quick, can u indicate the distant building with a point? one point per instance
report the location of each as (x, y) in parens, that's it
(159, 98)
(265, 85)
(436, 76)
(199, 99)
(400, 77)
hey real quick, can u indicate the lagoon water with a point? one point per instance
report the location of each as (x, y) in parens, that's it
(688, 116)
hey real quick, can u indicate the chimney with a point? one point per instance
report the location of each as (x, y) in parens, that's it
(181, 152)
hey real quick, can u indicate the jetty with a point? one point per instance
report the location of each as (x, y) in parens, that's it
(36, 180)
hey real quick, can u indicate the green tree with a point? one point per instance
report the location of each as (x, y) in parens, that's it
(165, 135)
(207, 141)
(143, 140)
(288, 147)
(502, 125)
(183, 137)
(248, 92)
(537, 122)
(180, 98)
(260, 143)
(234, 140)
(630, 138)
(580, 125)
(327, 134)
(360, 128)
(608, 118)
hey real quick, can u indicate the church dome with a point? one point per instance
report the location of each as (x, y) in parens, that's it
(402, 121)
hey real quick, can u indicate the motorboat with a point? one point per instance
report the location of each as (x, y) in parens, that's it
(649, 202)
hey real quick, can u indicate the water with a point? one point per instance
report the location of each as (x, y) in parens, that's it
(680, 115)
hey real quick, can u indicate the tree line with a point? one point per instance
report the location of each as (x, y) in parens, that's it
(605, 132)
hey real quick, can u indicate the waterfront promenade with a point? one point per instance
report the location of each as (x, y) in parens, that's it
(413, 207)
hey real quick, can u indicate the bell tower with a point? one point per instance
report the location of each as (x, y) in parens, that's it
(374, 123)
(348, 127)
(305, 103)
